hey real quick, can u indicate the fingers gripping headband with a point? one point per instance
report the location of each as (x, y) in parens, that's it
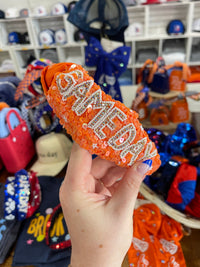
(98, 123)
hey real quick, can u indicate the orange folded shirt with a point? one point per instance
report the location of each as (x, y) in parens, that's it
(98, 123)
(155, 239)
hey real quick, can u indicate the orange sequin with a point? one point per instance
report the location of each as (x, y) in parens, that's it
(104, 125)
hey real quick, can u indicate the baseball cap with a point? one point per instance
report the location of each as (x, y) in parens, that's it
(39, 11)
(24, 12)
(196, 25)
(58, 9)
(53, 152)
(78, 36)
(12, 12)
(134, 29)
(91, 15)
(71, 5)
(2, 14)
(14, 38)
(175, 27)
(46, 37)
(60, 36)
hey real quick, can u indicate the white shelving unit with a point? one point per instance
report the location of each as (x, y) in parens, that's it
(154, 19)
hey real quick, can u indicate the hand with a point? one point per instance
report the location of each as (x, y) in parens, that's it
(98, 208)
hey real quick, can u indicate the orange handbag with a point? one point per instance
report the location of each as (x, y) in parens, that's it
(159, 116)
(179, 74)
(179, 111)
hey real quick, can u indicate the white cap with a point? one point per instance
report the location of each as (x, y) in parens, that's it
(39, 11)
(60, 36)
(53, 151)
(12, 12)
(58, 9)
(134, 29)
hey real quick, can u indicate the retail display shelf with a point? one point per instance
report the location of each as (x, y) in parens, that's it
(153, 18)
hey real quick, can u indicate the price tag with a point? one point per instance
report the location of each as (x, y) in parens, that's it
(46, 46)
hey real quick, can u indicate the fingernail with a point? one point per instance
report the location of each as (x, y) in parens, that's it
(148, 162)
(144, 167)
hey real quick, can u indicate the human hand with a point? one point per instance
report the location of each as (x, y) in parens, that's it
(98, 208)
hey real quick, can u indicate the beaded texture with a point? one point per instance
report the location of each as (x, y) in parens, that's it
(95, 121)
(49, 226)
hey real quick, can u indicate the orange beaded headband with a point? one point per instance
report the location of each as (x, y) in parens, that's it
(95, 121)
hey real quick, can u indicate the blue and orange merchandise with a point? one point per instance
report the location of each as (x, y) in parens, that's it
(159, 116)
(178, 73)
(142, 101)
(9, 230)
(182, 189)
(61, 84)
(31, 247)
(33, 73)
(156, 239)
(8, 86)
(109, 66)
(179, 111)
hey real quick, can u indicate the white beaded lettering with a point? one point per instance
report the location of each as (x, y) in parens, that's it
(80, 91)
(134, 149)
(130, 128)
(107, 121)
(104, 106)
(123, 139)
(147, 154)
(70, 79)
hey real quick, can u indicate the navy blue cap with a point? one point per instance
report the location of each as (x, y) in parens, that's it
(14, 38)
(71, 5)
(175, 27)
(93, 15)
(2, 14)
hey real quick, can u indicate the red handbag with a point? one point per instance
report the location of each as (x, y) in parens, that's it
(1, 164)
(17, 149)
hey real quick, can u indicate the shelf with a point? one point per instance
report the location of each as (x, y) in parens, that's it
(153, 18)
(164, 96)
(169, 128)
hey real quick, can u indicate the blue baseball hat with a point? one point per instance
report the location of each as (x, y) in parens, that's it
(14, 38)
(175, 27)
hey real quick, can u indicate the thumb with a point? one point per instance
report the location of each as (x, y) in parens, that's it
(126, 193)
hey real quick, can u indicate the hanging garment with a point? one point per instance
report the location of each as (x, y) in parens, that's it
(109, 66)
(31, 247)
(182, 189)
(8, 230)
(155, 240)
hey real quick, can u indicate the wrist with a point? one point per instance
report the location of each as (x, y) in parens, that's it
(93, 261)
